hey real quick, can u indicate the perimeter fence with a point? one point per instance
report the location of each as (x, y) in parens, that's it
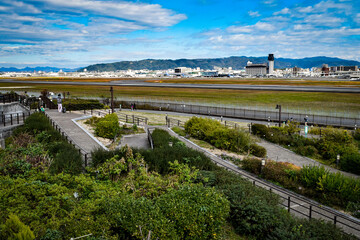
(244, 113)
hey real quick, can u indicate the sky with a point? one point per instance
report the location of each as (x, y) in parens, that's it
(77, 33)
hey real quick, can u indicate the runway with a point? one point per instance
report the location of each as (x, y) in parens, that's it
(201, 86)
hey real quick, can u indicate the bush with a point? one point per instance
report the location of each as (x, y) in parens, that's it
(357, 134)
(66, 159)
(259, 130)
(258, 150)
(253, 211)
(350, 162)
(217, 134)
(37, 122)
(200, 212)
(334, 187)
(14, 229)
(82, 104)
(161, 138)
(108, 126)
(251, 165)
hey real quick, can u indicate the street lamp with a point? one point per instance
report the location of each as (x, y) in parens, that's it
(337, 160)
(112, 99)
(279, 107)
(269, 121)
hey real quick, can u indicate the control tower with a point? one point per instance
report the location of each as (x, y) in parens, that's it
(271, 63)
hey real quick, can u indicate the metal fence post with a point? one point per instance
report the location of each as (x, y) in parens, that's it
(17, 116)
(85, 156)
(335, 220)
(289, 204)
(310, 212)
(11, 120)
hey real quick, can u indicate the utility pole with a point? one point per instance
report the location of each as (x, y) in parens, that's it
(112, 99)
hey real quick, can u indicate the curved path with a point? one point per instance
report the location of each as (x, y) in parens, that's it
(203, 86)
(281, 154)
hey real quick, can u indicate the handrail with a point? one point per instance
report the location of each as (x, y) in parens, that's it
(336, 216)
(12, 118)
(83, 152)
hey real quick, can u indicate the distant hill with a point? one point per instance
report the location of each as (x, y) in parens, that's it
(36, 69)
(234, 62)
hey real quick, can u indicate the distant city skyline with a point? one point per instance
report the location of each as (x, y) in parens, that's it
(78, 33)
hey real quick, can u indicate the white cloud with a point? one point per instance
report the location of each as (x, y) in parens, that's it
(21, 6)
(150, 14)
(324, 6)
(283, 11)
(323, 20)
(254, 14)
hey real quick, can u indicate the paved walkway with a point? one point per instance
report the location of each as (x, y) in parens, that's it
(280, 154)
(135, 141)
(74, 132)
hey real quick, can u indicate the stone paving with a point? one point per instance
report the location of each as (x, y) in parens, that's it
(78, 136)
(135, 141)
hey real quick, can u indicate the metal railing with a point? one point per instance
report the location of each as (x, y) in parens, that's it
(13, 118)
(291, 201)
(245, 113)
(127, 118)
(151, 142)
(86, 155)
(174, 122)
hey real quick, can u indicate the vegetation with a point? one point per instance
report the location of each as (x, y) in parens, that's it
(108, 126)
(222, 137)
(333, 189)
(121, 197)
(333, 142)
(81, 104)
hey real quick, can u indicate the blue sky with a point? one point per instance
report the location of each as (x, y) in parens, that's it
(75, 33)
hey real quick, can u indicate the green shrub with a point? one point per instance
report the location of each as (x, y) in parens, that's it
(350, 162)
(259, 130)
(66, 159)
(161, 138)
(14, 229)
(253, 212)
(92, 121)
(108, 126)
(82, 104)
(333, 186)
(37, 122)
(200, 212)
(357, 134)
(217, 134)
(258, 150)
(354, 208)
(251, 165)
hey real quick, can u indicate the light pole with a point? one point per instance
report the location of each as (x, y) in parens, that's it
(112, 99)
(279, 107)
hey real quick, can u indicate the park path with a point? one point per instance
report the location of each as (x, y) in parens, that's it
(77, 135)
(281, 154)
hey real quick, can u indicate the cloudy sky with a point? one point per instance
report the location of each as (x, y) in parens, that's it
(75, 33)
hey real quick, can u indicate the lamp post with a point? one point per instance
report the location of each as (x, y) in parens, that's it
(68, 94)
(112, 99)
(337, 160)
(279, 107)
(269, 121)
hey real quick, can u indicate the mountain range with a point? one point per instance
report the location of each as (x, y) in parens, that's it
(210, 63)
(36, 69)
